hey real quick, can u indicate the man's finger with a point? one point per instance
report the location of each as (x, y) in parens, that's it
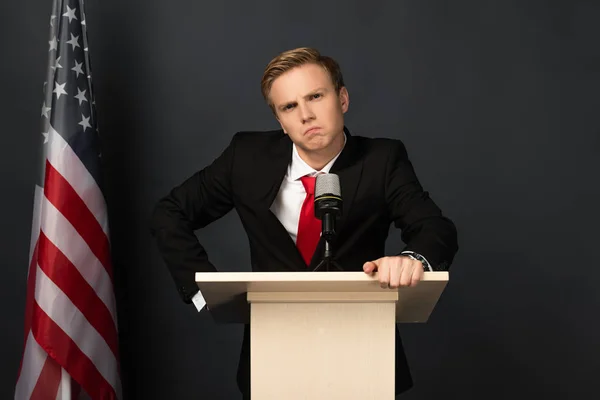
(417, 274)
(395, 274)
(407, 271)
(369, 267)
(383, 267)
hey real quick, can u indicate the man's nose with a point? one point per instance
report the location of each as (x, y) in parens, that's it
(306, 113)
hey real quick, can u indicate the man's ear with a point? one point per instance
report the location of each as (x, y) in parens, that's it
(344, 99)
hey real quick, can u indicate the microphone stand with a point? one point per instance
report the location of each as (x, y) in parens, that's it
(327, 262)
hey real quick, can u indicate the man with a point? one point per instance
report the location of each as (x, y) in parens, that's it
(268, 177)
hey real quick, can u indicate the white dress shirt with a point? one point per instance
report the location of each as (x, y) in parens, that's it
(288, 203)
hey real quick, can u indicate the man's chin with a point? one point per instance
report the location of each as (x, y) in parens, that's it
(315, 145)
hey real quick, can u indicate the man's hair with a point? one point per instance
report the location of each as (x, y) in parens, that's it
(294, 58)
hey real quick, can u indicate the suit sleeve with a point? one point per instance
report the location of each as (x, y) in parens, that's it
(425, 230)
(201, 199)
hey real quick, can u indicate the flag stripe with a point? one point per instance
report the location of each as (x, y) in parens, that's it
(29, 300)
(63, 197)
(66, 386)
(67, 353)
(35, 222)
(65, 315)
(48, 381)
(67, 163)
(62, 234)
(34, 358)
(69, 280)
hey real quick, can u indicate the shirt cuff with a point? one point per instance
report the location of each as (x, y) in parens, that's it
(199, 301)
(418, 257)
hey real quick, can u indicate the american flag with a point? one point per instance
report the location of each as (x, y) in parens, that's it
(70, 345)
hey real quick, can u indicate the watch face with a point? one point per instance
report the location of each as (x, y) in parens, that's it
(420, 258)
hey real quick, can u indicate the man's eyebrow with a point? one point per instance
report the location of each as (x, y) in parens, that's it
(292, 102)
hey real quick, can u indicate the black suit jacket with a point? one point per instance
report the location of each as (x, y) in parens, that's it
(379, 188)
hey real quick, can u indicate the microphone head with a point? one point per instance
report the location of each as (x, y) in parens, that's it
(327, 184)
(328, 200)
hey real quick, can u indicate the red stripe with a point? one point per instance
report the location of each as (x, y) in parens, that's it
(64, 274)
(59, 346)
(47, 384)
(62, 195)
(29, 298)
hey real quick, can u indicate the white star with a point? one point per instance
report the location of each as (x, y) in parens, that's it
(59, 89)
(80, 96)
(77, 68)
(45, 135)
(70, 13)
(45, 110)
(56, 64)
(52, 18)
(74, 41)
(53, 44)
(85, 122)
(83, 22)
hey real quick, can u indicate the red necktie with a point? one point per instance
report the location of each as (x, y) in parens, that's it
(309, 226)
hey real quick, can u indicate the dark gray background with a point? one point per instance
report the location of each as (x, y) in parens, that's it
(497, 103)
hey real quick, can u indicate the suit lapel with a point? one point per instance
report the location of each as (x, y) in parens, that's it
(274, 167)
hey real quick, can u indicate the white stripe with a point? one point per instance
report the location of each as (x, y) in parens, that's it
(35, 223)
(65, 161)
(63, 235)
(63, 312)
(64, 389)
(34, 358)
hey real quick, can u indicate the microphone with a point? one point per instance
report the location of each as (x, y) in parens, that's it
(328, 208)
(328, 203)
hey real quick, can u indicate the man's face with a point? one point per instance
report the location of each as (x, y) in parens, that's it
(309, 109)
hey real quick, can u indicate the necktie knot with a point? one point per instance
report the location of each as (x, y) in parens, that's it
(309, 184)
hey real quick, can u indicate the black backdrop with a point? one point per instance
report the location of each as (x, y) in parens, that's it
(497, 103)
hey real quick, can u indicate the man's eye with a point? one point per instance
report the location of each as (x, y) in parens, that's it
(316, 95)
(288, 107)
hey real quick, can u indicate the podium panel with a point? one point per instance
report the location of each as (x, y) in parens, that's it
(323, 349)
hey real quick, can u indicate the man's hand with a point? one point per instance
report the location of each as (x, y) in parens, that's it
(396, 271)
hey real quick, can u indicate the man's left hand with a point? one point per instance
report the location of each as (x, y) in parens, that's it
(396, 271)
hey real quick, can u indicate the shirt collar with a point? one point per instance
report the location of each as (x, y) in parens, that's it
(299, 168)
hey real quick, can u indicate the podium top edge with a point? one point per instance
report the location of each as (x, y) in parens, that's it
(334, 276)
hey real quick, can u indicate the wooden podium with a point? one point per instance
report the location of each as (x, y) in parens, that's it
(319, 335)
